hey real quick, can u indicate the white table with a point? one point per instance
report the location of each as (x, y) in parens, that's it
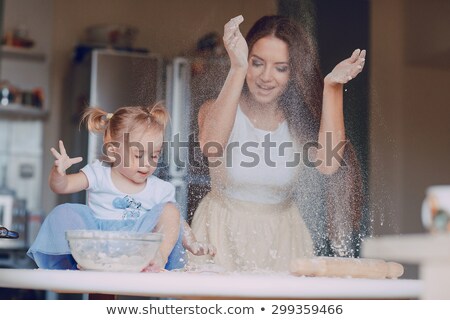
(430, 251)
(208, 285)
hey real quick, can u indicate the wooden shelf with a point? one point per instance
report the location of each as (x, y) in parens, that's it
(22, 111)
(12, 244)
(22, 53)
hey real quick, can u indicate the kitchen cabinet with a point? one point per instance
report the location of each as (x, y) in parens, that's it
(21, 123)
(25, 65)
(19, 67)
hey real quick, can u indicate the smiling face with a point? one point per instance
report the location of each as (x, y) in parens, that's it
(139, 153)
(268, 71)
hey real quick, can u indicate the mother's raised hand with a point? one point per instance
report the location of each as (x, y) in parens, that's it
(348, 69)
(235, 43)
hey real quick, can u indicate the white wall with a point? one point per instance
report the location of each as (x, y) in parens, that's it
(410, 109)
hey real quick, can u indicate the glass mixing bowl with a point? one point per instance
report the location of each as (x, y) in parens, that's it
(122, 251)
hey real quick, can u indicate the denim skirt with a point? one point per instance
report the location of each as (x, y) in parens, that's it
(51, 250)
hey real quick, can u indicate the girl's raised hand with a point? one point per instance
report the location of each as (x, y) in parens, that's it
(63, 161)
(348, 69)
(235, 43)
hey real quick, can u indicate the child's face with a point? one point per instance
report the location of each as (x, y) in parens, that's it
(139, 152)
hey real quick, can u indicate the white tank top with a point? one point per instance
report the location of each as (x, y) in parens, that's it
(255, 171)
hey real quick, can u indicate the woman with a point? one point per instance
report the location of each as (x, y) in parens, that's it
(272, 105)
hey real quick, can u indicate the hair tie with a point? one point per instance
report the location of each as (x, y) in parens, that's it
(109, 116)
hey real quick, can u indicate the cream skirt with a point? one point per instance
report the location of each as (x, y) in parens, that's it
(250, 236)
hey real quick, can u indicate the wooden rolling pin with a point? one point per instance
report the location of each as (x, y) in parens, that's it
(346, 267)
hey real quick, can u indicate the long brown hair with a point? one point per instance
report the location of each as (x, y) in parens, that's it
(301, 104)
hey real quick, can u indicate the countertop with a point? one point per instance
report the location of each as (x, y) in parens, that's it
(409, 248)
(209, 285)
(429, 251)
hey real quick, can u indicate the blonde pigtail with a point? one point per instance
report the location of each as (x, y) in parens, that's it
(96, 119)
(159, 114)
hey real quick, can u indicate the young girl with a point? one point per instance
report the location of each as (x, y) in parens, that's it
(122, 192)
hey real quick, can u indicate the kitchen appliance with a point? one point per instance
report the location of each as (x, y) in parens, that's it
(191, 81)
